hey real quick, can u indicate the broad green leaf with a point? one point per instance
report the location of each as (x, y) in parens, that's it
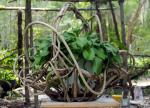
(93, 38)
(97, 66)
(82, 42)
(101, 53)
(110, 49)
(117, 59)
(89, 54)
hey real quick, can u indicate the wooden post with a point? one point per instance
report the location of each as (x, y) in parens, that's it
(29, 44)
(123, 35)
(20, 40)
(123, 31)
(125, 57)
(114, 20)
(26, 37)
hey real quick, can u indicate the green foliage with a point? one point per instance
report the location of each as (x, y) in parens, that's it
(97, 65)
(89, 54)
(140, 34)
(42, 51)
(100, 53)
(85, 46)
(141, 62)
(6, 65)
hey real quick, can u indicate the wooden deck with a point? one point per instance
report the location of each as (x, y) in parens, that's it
(106, 103)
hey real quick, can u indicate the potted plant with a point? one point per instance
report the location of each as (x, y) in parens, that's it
(75, 65)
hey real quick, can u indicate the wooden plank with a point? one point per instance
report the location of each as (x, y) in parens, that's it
(79, 105)
(48, 9)
(70, 0)
(78, 0)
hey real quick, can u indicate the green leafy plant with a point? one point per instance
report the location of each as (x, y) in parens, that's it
(6, 65)
(85, 46)
(42, 46)
(73, 65)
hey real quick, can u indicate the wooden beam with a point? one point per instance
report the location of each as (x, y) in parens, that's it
(48, 9)
(144, 56)
(70, 0)
(78, 0)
